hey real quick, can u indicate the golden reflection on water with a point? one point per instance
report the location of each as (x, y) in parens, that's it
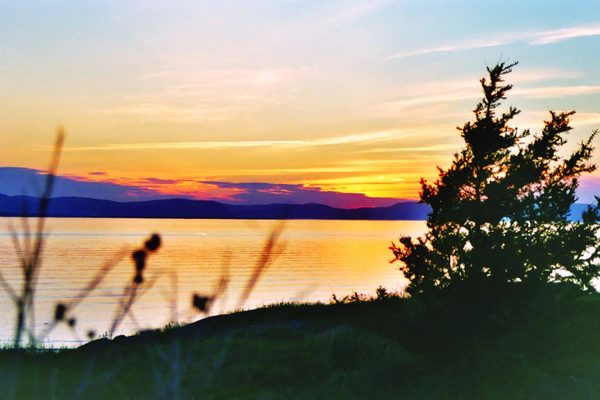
(319, 258)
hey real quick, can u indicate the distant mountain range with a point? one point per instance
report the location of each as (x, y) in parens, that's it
(183, 208)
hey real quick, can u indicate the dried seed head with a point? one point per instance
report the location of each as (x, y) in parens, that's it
(139, 257)
(71, 322)
(138, 278)
(200, 302)
(153, 243)
(60, 311)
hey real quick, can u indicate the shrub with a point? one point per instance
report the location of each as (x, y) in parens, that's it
(500, 212)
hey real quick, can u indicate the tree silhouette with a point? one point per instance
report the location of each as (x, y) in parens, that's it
(500, 212)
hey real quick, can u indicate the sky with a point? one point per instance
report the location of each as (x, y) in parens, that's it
(230, 99)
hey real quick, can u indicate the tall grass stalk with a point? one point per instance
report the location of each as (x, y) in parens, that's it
(30, 245)
(267, 256)
(30, 252)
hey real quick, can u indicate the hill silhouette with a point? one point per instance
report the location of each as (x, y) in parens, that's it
(184, 208)
(83, 207)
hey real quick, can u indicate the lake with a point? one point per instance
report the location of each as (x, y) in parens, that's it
(313, 259)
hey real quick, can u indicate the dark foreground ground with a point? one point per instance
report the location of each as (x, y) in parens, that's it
(489, 344)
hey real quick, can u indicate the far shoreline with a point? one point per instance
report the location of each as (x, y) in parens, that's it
(82, 207)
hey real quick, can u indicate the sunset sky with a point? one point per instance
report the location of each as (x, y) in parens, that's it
(217, 99)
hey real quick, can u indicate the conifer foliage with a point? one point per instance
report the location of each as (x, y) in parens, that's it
(500, 212)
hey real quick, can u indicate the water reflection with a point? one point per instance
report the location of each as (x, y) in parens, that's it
(319, 258)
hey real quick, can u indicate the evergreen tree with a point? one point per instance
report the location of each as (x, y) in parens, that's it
(500, 212)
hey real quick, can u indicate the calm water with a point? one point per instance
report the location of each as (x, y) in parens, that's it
(315, 260)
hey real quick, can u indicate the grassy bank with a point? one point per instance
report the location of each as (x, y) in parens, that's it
(513, 343)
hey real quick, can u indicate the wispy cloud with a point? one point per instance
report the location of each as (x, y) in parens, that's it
(531, 75)
(329, 141)
(449, 48)
(587, 118)
(12, 183)
(193, 77)
(357, 138)
(121, 189)
(191, 93)
(162, 110)
(433, 98)
(532, 38)
(560, 35)
(264, 193)
(433, 148)
(553, 92)
(310, 170)
(467, 88)
(187, 145)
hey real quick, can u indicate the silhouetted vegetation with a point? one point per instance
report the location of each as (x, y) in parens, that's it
(500, 211)
(397, 348)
